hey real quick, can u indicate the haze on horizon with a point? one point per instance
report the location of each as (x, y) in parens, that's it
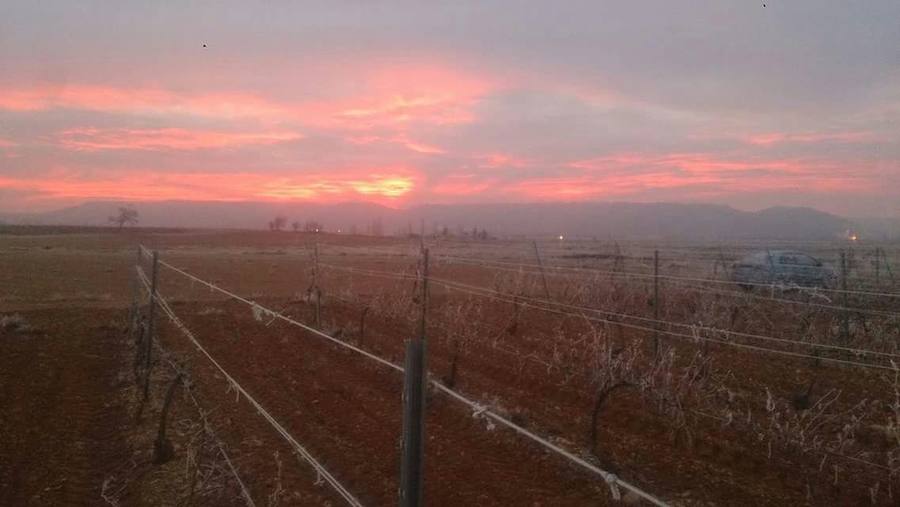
(402, 103)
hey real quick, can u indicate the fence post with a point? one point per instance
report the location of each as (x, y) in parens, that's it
(619, 262)
(537, 255)
(422, 236)
(136, 321)
(887, 266)
(877, 266)
(414, 383)
(150, 325)
(317, 293)
(656, 303)
(845, 317)
(162, 448)
(135, 296)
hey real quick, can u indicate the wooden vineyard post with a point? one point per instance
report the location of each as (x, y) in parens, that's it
(537, 255)
(845, 315)
(148, 343)
(656, 303)
(162, 448)
(414, 382)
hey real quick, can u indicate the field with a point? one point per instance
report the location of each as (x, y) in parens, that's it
(703, 394)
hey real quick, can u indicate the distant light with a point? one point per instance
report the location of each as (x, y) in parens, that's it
(561, 237)
(854, 237)
(317, 230)
(339, 231)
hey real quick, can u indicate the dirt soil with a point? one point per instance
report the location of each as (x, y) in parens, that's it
(76, 429)
(61, 410)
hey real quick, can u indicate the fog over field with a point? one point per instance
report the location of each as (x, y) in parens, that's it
(661, 221)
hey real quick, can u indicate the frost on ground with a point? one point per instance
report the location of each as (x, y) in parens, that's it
(13, 323)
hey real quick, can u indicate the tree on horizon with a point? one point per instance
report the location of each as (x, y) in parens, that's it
(125, 216)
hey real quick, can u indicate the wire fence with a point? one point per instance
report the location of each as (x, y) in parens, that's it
(615, 483)
(632, 274)
(689, 332)
(207, 427)
(320, 469)
(694, 335)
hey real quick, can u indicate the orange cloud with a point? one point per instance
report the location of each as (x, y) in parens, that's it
(386, 188)
(378, 186)
(91, 139)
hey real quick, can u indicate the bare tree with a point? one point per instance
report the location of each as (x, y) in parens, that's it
(278, 223)
(125, 216)
(296, 226)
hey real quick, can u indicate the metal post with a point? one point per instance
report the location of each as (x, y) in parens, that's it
(656, 302)
(422, 236)
(150, 325)
(135, 297)
(316, 291)
(537, 255)
(424, 308)
(413, 407)
(413, 454)
(845, 317)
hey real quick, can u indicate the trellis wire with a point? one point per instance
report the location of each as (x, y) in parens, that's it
(318, 467)
(248, 499)
(538, 360)
(492, 294)
(473, 260)
(611, 479)
(682, 282)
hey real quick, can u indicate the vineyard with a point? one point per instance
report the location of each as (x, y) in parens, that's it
(559, 372)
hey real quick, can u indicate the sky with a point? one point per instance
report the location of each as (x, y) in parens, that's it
(793, 103)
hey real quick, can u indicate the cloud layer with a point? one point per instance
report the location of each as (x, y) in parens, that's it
(400, 103)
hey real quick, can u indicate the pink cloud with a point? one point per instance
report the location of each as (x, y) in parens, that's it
(461, 185)
(695, 163)
(498, 160)
(767, 139)
(92, 139)
(433, 93)
(697, 174)
(148, 101)
(401, 139)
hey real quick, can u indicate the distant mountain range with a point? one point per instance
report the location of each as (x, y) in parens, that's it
(592, 219)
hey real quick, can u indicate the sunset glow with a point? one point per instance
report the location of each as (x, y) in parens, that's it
(406, 111)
